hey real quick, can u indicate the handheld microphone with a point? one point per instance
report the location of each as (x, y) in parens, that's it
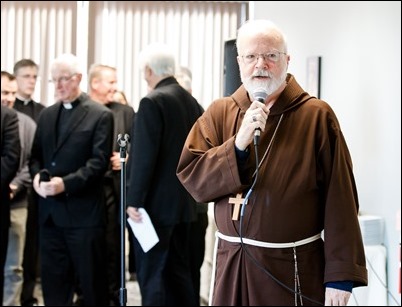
(259, 94)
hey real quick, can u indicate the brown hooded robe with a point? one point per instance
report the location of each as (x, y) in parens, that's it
(305, 185)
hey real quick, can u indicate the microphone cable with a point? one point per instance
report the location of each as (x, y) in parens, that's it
(244, 246)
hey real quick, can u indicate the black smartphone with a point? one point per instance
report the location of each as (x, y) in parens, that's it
(44, 175)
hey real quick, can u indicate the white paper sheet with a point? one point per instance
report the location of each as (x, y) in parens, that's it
(144, 231)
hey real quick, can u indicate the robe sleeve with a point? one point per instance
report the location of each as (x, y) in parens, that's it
(344, 251)
(208, 166)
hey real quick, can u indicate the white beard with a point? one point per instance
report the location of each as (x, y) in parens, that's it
(270, 85)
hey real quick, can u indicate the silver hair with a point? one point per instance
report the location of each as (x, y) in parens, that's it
(263, 27)
(67, 62)
(159, 58)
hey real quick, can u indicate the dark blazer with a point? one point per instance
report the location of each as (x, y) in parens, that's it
(164, 118)
(32, 109)
(10, 159)
(123, 120)
(81, 159)
(10, 146)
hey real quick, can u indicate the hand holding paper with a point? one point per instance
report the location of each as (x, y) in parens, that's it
(144, 231)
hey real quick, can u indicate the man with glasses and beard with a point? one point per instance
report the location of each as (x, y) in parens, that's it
(274, 161)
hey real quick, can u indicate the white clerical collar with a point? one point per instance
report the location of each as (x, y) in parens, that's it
(25, 101)
(67, 106)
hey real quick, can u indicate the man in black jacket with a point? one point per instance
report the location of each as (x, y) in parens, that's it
(26, 74)
(102, 80)
(164, 118)
(73, 143)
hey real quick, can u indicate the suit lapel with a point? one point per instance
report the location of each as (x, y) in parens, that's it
(53, 123)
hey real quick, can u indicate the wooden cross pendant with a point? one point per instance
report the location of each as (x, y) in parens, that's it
(237, 202)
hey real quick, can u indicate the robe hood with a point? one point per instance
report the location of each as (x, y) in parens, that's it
(292, 96)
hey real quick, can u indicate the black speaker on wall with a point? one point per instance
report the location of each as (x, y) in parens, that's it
(231, 73)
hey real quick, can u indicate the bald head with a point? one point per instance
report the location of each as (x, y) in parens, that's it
(262, 31)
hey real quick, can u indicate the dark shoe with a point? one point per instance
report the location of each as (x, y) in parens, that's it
(114, 302)
(133, 277)
(31, 302)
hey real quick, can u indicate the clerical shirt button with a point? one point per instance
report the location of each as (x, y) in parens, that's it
(53, 163)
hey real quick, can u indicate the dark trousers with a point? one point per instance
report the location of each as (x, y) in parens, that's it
(68, 254)
(4, 226)
(131, 251)
(113, 241)
(3, 255)
(31, 252)
(163, 272)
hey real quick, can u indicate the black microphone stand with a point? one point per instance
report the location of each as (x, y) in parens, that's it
(123, 142)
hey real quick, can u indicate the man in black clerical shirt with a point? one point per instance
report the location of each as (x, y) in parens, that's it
(26, 73)
(71, 210)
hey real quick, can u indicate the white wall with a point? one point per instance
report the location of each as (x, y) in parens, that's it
(360, 46)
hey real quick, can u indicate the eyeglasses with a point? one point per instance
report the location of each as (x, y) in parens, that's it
(252, 58)
(62, 80)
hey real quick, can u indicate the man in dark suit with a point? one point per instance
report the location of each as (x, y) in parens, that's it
(26, 74)
(102, 80)
(10, 158)
(72, 147)
(164, 118)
